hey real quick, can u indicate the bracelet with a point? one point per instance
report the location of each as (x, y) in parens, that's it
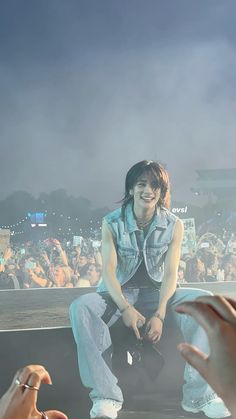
(158, 316)
(123, 309)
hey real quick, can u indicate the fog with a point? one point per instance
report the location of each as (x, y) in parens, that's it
(90, 88)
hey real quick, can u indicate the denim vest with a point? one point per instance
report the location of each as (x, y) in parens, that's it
(155, 245)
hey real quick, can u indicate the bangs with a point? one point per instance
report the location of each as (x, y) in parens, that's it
(152, 175)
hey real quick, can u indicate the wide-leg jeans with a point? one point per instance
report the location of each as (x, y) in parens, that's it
(94, 346)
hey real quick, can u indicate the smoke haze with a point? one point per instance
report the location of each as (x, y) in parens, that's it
(89, 88)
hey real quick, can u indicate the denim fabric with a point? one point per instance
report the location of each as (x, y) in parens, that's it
(93, 341)
(129, 253)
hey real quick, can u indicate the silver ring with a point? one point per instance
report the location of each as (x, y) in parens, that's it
(44, 416)
(19, 384)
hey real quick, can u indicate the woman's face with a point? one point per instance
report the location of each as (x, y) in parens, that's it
(93, 275)
(82, 261)
(145, 193)
(59, 276)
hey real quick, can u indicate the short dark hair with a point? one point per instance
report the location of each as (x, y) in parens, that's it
(159, 175)
(85, 268)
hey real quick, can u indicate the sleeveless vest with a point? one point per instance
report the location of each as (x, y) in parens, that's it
(156, 243)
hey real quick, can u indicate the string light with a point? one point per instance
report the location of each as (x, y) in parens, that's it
(16, 224)
(16, 233)
(93, 228)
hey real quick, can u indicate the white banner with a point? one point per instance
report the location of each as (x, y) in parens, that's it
(4, 239)
(189, 241)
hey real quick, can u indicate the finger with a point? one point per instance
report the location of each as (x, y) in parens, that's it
(202, 313)
(139, 324)
(147, 329)
(39, 369)
(31, 393)
(21, 377)
(157, 339)
(13, 385)
(151, 333)
(231, 301)
(55, 414)
(194, 357)
(142, 318)
(154, 335)
(136, 331)
(221, 305)
(32, 375)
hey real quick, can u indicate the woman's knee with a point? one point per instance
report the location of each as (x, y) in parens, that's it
(196, 293)
(78, 306)
(202, 293)
(85, 304)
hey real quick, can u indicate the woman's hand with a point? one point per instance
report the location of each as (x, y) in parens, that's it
(78, 250)
(8, 253)
(153, 330)
(217, 315)
(20, 400)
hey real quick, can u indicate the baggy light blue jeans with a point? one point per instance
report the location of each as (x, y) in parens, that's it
(94, 345)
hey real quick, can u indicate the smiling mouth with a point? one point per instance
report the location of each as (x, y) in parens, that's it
(146, 199)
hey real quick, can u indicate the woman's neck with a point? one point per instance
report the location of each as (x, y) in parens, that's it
(143, 215)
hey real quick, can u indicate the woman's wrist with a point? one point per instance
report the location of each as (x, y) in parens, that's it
(122, 310)
(158, 316)
(123, 304)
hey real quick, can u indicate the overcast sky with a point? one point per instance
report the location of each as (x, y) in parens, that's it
(88, 88)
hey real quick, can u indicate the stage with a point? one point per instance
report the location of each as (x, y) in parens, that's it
(35, 328)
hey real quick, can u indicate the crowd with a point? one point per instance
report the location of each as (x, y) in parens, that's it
(138, 239)
(214, 259)
(51, 263)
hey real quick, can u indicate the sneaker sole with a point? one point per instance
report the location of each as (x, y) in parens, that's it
(189, 409)
(104, 415)
(195, 410)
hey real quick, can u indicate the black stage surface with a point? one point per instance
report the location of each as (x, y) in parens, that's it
(35, 328)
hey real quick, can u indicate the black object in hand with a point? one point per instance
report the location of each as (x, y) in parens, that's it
(145, 354)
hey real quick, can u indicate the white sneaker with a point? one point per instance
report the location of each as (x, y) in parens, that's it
(212, 409)
(105, 408)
